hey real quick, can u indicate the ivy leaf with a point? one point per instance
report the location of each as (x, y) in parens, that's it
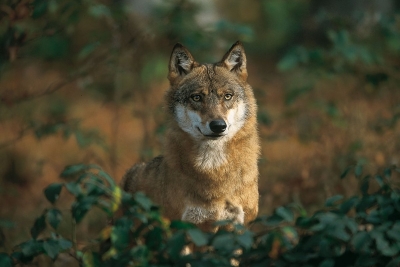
(38, 226)
(52, 192)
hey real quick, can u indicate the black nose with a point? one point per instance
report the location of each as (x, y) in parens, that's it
(218, 126)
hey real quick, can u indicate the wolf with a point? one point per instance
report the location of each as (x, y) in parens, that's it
(209, 170)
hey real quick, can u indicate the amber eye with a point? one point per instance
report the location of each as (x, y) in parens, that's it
(196, 98)
(228, 96)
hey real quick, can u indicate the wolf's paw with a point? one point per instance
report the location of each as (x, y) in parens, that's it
(196, 215)
(234, 213)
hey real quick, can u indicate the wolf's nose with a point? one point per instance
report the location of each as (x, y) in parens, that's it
(218, 126)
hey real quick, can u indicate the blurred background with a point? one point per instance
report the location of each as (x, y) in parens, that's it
(83, 81)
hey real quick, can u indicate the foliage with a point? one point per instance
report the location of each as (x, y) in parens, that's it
(365, 51)
(362, 230)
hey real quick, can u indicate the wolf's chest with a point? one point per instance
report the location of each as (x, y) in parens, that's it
(211, 155)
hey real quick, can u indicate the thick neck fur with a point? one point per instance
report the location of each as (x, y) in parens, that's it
(213, 159)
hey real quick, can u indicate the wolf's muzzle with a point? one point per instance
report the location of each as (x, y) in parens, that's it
(218, 126)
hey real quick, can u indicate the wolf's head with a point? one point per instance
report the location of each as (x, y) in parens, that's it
(210, 101)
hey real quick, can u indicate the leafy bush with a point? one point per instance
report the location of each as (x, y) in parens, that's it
(362, 230)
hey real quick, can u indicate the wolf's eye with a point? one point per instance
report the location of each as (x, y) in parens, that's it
(228, 96)
(196, 98)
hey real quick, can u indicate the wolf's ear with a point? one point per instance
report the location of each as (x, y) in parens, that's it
(235, 60)
(180, 64)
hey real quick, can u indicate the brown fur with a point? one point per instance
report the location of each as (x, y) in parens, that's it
(189, 191)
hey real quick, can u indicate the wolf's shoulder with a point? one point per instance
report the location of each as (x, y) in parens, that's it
(155, 163)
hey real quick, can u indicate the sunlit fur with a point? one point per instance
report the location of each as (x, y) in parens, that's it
(205, 176)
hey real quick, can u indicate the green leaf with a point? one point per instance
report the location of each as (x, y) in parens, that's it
(246, 239)
(330, 202)
(383, 245)
(81, 207)
(394, 263)
(99, 10)
(388, 173)
(338, 231)
(347, 205)
(5, 260)
(379, 180)
(120, 237)
(74, 188)
(366, 260)
(39, 8)
(143, 201)
(224, 242)
(374, 217)
(178, 225)
(365, 185)
(198, 237)
(358, 170)
(51, 248)
(272, 220)
(54, 217)
(394, 234)
(106, 176)
(52, 192)
(140, 254)
(361, 241)
(285, 213)
(73, 170)
(304, 222)
(31, 248)
(327, 263)
(38, 226)
(175, 245)
(91, 259)
(154, 238)
(50, 46)
(87, 50)
(345, 172)
(64, 244)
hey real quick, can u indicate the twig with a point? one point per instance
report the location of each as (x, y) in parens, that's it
(51, 89)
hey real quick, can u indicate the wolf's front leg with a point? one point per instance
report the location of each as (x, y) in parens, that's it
(198, 215)
(218, 212)
(232, 212)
